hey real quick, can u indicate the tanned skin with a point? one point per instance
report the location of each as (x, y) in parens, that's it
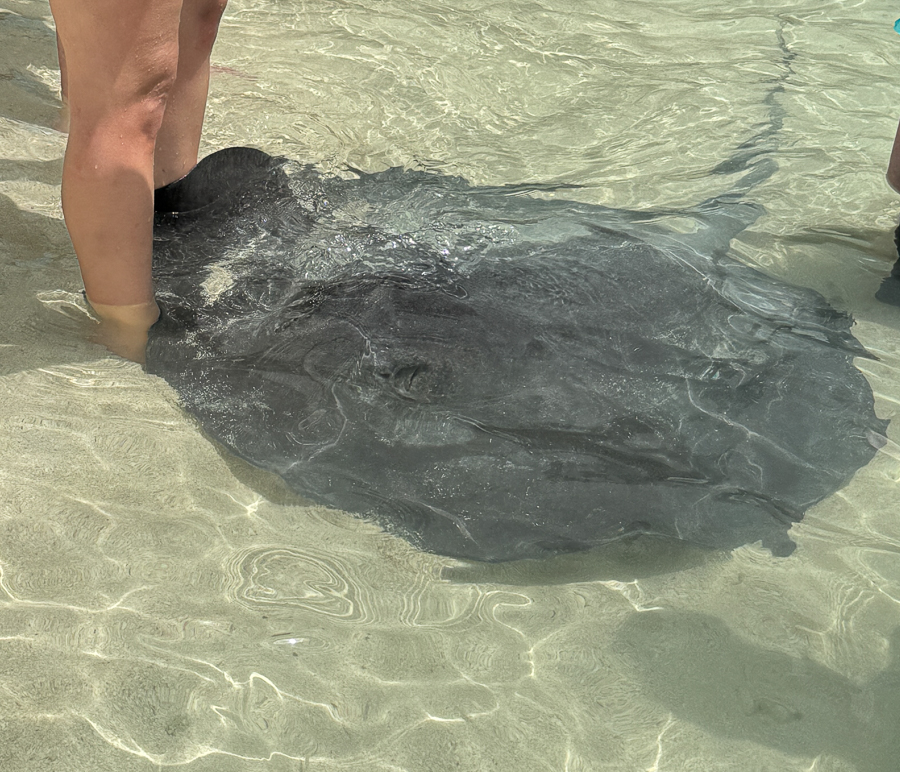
(135, 77)
(893, 172)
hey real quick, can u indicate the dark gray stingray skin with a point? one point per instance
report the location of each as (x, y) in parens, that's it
(496, 374)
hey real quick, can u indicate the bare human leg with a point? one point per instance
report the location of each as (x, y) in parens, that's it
(178, 141)
(135, 74)
(121, 59)
(893, 172)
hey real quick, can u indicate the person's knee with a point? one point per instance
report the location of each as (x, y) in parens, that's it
(142, 101)
(154, 84)
(129, 111)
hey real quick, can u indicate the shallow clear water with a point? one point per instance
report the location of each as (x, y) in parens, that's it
(163, 604)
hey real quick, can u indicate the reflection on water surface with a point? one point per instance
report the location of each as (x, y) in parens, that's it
(160, 605)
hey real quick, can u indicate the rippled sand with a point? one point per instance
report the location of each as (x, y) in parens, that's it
(164, 604)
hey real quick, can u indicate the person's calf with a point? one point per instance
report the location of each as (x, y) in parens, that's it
(179, 137)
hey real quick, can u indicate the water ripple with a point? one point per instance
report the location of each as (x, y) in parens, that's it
(291, 578)
(158, 608)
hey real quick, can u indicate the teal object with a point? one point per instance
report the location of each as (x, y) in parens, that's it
(897, 26)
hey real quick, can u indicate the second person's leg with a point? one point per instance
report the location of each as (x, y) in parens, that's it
(178, 141)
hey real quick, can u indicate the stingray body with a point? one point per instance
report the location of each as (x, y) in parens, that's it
(497, 374)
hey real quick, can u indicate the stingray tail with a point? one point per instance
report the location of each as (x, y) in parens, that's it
(729, 211)
(722, 217)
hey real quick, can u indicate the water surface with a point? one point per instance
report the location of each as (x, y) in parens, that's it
(162, 604)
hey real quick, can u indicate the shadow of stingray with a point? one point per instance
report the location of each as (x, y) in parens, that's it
(624, 560)
(267, 484)
(698, 669)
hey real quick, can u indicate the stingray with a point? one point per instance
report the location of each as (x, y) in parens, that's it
(498, 373)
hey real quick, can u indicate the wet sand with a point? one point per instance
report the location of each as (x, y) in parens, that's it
(164, 604)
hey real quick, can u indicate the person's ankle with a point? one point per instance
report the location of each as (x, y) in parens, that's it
(133, 315)
(124, 329)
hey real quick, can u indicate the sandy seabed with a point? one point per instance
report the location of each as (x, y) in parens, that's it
(163, 604)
